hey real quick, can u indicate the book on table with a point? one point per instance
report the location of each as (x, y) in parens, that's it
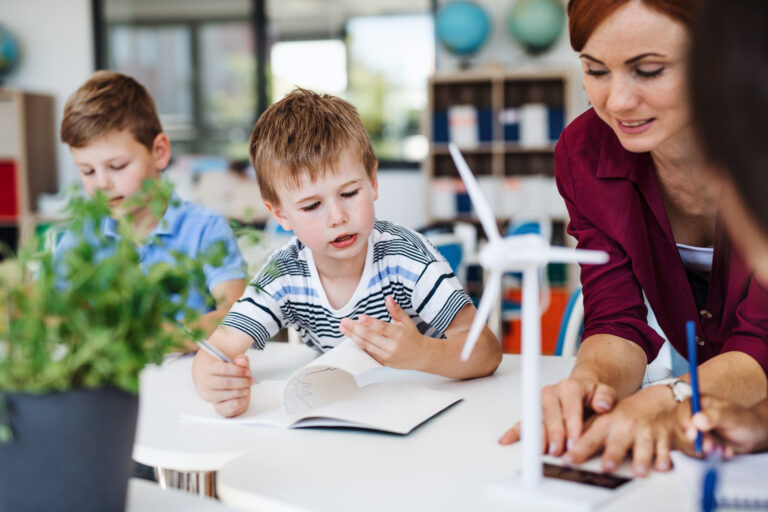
(325, 393)
(741, 481)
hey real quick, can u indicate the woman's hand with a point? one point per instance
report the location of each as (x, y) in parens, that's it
(647, 423)
(563, 408)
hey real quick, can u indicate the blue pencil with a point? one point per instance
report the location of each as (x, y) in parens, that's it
(690, 329)
(709, 485)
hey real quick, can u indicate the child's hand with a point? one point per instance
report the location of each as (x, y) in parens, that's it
(741, 429)
(398, 344)
(226, 386)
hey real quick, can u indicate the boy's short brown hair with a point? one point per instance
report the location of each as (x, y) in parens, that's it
(109, 102)
(306, 132)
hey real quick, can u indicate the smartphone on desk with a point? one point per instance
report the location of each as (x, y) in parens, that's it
(585, 476)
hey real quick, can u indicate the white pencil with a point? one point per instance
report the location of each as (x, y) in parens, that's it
(214, 351)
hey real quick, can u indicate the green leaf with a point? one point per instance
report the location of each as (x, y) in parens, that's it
(94, 318)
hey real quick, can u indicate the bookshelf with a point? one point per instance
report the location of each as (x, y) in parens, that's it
(27, 160)
(506, 124)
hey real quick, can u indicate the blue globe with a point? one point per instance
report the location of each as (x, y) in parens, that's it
(462, 27)
(536, 24)
(9, 52)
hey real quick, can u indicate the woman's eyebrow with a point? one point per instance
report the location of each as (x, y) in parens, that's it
(628, 61)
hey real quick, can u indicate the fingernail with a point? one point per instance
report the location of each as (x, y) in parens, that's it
(603, 405)
(662, 465)
(609, 465)
(569, 444)
(567, 459)
(552, 447)
(637, 470)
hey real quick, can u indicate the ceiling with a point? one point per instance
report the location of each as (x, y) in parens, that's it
(294, 17)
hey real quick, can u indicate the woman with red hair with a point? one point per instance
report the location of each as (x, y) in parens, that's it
(637, 186)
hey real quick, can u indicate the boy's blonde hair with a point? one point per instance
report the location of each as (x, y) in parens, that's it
(306, 132)
(109, 102)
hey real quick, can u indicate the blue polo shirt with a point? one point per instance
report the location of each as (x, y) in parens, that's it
(186, 228)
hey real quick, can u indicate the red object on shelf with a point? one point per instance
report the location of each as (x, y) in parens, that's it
(550, 322)
(9, 206)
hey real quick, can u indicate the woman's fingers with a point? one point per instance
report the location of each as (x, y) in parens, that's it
(572, 398)
(512, 435)
(663, 461)
(603, 398)
(552, 421)
(642, 451)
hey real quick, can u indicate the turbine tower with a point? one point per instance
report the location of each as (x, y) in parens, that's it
(528, 254)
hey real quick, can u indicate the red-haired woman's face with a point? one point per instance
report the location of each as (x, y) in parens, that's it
(634, 76)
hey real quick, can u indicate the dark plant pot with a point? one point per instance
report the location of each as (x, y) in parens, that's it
(70, 450)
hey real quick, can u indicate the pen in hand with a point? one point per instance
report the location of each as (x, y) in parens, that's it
(709, 484)
(690, 329)
(215, 352)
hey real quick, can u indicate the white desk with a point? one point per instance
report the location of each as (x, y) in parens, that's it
(164, 440)
(445, 464)
(144, 496)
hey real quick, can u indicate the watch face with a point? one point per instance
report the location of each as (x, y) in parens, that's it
(682, 390)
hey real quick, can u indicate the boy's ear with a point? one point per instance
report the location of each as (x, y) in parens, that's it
(277, 213)
(161, 151)
(375, 180)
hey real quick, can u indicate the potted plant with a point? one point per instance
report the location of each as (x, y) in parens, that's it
(75, 332)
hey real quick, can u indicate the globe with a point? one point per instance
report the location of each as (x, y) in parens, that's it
(536, 24)
(9, 52)
(462, 27)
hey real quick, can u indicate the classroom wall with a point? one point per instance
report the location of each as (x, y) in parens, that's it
(402, 198)
(501, 51)
(56, 40)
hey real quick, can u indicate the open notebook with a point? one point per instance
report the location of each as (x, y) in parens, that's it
(324, 393)
(742, 482)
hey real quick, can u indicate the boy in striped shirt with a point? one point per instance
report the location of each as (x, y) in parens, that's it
(345, 274)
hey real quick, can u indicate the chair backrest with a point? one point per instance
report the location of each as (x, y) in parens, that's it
(572, 325)
(450, 247)
(457, 243)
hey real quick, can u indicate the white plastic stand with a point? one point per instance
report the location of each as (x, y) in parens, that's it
(529, 254)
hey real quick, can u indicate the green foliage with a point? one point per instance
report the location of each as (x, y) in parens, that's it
(93, 318)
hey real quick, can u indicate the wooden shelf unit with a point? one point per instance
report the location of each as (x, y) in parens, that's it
(497, 98)
(27, 160)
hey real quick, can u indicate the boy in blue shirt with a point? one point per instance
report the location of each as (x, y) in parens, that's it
(345, 274)
(112, 128)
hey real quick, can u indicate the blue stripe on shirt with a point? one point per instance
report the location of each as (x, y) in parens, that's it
(388, 271)
(294, 290)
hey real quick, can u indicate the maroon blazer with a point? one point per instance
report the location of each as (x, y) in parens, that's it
(615, 205)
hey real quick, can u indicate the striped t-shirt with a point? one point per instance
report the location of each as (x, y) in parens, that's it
(399, 262)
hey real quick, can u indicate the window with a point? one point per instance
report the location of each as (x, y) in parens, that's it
(199, 62)
(390, 60)
(317, 65)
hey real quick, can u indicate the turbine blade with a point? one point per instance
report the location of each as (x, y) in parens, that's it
(568, 255)
(490, 296)
(483, 209)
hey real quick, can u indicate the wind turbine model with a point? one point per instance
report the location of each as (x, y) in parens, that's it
(529, 254)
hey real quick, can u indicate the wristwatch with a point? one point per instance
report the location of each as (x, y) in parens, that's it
(681, 389)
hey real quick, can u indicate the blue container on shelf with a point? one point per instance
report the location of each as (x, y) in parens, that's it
(485, 125)
(556, 119)
(463, 203)
(510, 123)
(440, 126)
